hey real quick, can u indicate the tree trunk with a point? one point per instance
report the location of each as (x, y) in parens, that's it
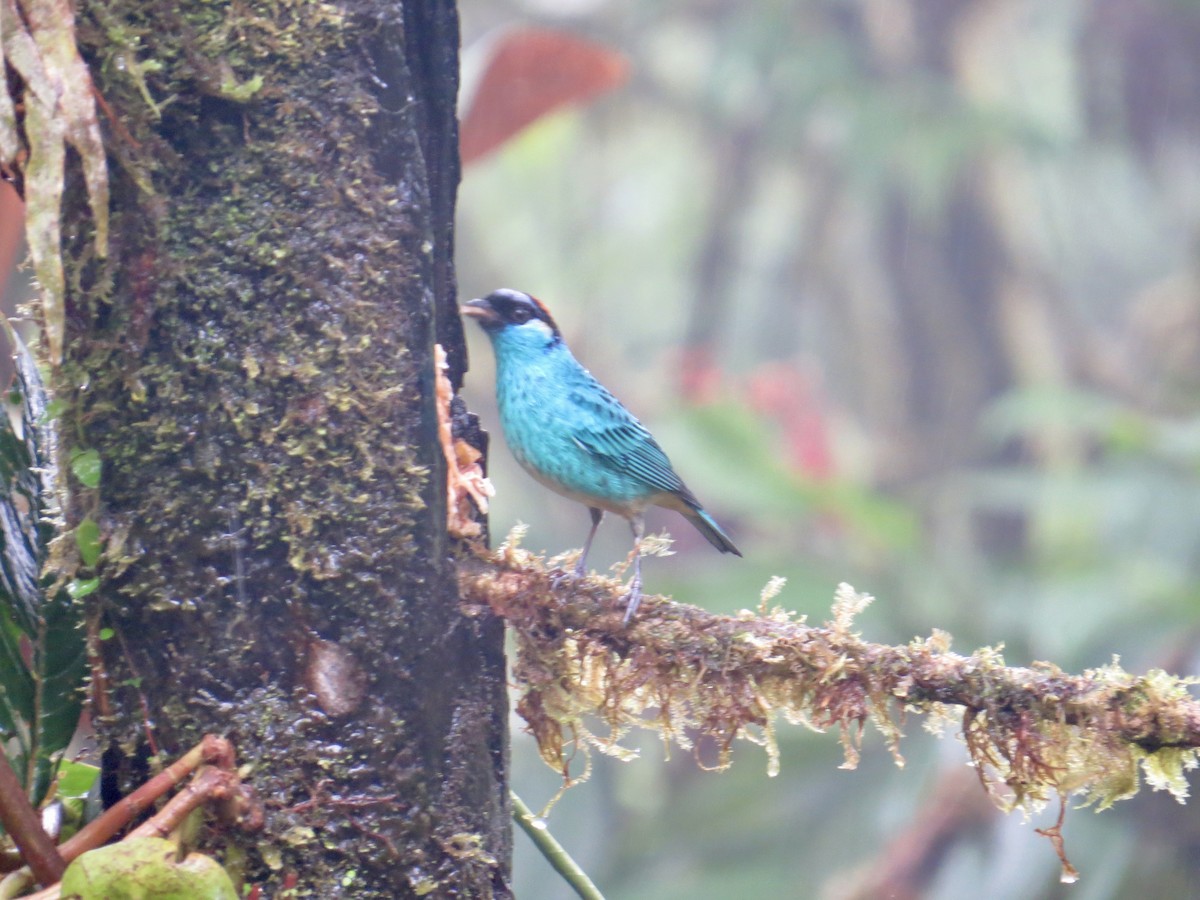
(254, 365)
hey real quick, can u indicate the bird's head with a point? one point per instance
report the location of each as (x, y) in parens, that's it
(513, 319)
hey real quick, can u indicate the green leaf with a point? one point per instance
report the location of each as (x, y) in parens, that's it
(16, 698)
(75, 779)
(62, 663)
(86, 464)
(41, 645)
(87, 539)
(81, 587)
(26, 492)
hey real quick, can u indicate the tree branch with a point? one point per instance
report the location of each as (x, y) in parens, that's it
(1034, 734)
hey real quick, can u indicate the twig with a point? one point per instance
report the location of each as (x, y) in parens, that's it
(147, 718)
(208, 783)
(1070, 874)
(212, 750)
(562, 862)
(216, 780)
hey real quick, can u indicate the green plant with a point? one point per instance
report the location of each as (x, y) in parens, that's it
(42, 651)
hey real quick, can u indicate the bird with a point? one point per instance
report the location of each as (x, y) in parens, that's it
(571, 434)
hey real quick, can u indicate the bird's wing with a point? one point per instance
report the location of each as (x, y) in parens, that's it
(630, 449)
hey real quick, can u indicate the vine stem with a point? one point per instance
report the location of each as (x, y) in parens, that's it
(553, 850)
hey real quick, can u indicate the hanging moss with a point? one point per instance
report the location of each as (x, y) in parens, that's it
(1035, 735)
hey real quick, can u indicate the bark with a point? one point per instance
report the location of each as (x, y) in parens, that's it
(253, 363)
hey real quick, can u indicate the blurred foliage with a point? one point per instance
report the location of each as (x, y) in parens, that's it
(962, 236)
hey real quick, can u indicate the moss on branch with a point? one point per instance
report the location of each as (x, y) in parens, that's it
(1034, 734)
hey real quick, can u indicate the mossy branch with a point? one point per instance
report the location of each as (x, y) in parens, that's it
(1034, 734)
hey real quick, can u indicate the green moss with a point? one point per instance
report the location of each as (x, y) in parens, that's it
(250, 366)
(1035, 735)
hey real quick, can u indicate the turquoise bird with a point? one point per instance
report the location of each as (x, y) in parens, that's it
(571, 434)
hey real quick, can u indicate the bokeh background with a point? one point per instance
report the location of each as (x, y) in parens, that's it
(909, 291)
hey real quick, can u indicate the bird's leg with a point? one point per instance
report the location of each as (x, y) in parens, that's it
(634, 595)
(581, 566)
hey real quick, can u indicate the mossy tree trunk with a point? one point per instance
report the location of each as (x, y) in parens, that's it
(253, 364)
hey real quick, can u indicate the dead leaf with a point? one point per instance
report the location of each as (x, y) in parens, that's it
(465, 481)
(37, 39)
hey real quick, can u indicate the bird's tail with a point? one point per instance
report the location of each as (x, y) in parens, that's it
(711, 530)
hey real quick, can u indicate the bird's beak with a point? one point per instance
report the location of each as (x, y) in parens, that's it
(481, 310)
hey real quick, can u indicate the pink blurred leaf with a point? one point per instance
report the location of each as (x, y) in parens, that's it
(527, 73)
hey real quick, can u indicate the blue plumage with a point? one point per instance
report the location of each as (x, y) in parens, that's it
(569, 432)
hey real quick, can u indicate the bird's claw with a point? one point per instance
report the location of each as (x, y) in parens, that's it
(563, 577)
(632, 599)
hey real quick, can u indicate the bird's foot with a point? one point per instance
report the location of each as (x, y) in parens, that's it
(563, 577)
(632, 599)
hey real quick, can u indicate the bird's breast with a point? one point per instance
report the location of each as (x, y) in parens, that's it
(541, 412)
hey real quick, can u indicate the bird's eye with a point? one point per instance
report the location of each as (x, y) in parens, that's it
(520, 315)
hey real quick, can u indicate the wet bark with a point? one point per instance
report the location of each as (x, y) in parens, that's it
(253, 364)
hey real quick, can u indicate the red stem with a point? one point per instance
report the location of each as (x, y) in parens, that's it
(23, 826)
(213, 750)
